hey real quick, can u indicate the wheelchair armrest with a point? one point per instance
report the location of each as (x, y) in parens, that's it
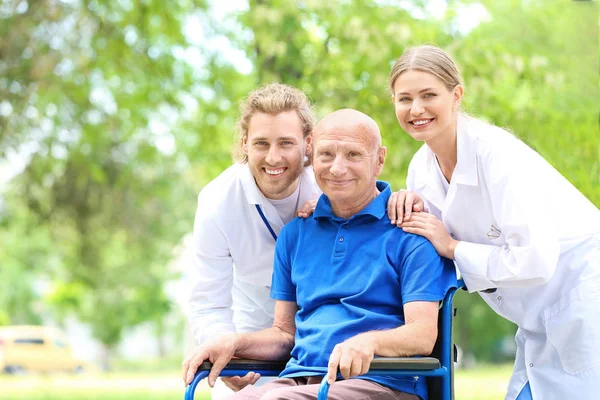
(392, 366)
(404, 363)
(378, 363)
(247, 364)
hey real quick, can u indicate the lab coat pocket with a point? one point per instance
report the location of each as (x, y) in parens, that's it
(573, 327)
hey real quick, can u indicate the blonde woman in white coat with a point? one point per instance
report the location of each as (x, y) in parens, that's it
(519, 232)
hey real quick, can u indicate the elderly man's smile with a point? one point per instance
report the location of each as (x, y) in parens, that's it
(339, 182)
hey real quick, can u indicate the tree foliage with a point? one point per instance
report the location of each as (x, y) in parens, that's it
(88, 90)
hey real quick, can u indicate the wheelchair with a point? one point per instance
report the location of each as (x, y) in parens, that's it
(438, 368)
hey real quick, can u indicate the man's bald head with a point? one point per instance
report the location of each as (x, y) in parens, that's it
(347, 159)
(349, 120)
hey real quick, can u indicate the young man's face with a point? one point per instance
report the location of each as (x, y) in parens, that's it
(275, 147)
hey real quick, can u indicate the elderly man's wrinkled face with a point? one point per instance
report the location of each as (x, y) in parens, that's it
(347, 161)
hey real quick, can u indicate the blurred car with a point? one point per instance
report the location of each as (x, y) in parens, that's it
(36, 348)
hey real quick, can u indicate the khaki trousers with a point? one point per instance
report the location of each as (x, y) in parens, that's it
(307, 388)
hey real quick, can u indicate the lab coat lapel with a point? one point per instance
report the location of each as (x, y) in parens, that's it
(465, 172)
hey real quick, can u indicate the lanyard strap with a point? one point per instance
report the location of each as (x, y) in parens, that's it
(266, 222)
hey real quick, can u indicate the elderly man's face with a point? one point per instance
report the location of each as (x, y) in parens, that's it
(346, 163)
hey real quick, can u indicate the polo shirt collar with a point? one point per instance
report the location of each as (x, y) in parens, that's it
(376, 208)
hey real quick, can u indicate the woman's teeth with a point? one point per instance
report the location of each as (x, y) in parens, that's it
(421, 122)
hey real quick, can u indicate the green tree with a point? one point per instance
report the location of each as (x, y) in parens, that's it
(534, 69)
(89, 94)
(22, 257)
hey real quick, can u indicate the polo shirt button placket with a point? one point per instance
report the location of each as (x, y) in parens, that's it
(340, 246)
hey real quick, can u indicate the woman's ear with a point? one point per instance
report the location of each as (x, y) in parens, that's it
(458, 93)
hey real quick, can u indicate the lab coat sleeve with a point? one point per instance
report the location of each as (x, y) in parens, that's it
(517, 182)
(211, 278)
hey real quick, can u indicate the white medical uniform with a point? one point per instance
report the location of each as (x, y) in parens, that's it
(526, 231)
(233, 254)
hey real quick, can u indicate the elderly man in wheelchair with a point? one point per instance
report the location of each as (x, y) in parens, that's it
(349, 286)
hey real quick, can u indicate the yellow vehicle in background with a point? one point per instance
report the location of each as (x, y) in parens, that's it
(35, 348)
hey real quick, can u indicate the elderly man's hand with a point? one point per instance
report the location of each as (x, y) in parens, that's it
(353, 357)
(219, 352)
(237, 383)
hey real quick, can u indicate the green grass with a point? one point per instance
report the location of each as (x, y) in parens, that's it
(487, 382)
(95, 386)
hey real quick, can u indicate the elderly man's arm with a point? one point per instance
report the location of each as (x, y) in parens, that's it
(273, 343)
(416, 337)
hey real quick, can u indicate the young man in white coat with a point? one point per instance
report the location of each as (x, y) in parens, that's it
(241, 212)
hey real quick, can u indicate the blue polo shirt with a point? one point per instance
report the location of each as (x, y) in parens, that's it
(353, 276)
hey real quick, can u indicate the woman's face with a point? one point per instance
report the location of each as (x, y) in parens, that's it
(425, 108)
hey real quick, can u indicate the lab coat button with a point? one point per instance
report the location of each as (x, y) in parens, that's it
(531, 364)
(499, 298)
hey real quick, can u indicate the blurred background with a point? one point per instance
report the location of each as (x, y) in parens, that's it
(114, 114)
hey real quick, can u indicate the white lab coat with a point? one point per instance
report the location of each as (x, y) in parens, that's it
(232, 256)
(525, 230)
